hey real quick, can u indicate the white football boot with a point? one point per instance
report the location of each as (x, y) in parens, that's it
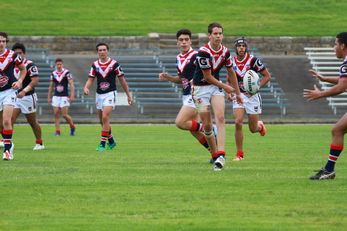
(219, 163)
(39, 147)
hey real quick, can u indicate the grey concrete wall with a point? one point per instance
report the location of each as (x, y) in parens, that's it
(84, 44)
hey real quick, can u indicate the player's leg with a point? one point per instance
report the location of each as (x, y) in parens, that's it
(35, 126)
(16, 112)
(187, 120)
(1, 128)
(218, 105)
(238, 116)
(337, 144)
(68, 119)
(7, 132)
(56, 112)
(106, 127)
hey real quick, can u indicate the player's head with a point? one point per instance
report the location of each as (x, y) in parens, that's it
(184, 32)
(59, 63)
(241, 46)
(341, 45)
(213, 25)
(102, 45)
(215, 33)
(102, 49)
(3, 41)
(184, 39)
(19, 48)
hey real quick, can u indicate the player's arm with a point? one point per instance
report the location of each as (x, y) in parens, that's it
(50, 90)
(34, 82)
(125, 87)
(165, 76)
(316, 93)
(72, 90)
(266, 77)
(315, 74)
(87, 86)
(232, 81)
(23, 71)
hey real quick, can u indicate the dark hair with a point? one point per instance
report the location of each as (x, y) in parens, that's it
(213, 25)
(59, 60)
(342, 38)
(185, 32)
(19, 46)
(102, 44)
(4, 34)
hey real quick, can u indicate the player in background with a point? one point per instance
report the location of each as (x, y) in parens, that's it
(61, 81)
(26, 97)
(208, 90)
(9, 85)
(105, 70)
(187, 118)
(242, 62)
(339, 130)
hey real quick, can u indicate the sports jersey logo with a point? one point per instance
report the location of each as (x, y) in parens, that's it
(185, 83)
(104, 86)
(34, 70)
(343, 70)
(60, 88)
(3, 80)
(203, 63)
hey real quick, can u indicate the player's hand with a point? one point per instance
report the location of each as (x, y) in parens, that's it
(228, 89)
(71, 99)
(162, 76)
(239, 99)
(16, 85)
(312, 94)
(49, 100)
(86, 91)
(316, 75)
(20, 94)
(130, 100)
(230, 97)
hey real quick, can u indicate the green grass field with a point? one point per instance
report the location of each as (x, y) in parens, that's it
(159, 178)
(137, 17)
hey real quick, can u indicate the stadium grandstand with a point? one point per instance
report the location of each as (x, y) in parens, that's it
(324, 61)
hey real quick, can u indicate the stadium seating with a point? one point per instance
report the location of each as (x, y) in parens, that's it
(80, 107)
(324, 61)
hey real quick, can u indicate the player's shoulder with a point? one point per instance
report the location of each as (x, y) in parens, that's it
(343, 69)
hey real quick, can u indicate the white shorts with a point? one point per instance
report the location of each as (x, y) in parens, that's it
(187, 100)
(105, 100)
(60, 101)
(27, 104)
(252, 104)
(8, 97)
(202, 94)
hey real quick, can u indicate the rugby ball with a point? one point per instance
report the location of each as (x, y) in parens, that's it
(251, 82)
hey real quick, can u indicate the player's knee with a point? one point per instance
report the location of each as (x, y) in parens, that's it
(179, 124)
(220, 119)
(336, 131)
(238, 123)
(7, 122)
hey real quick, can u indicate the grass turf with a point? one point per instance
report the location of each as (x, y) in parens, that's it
(159, 178)
(137, 17)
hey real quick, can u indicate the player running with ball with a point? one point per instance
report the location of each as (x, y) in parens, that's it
(242, 62)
